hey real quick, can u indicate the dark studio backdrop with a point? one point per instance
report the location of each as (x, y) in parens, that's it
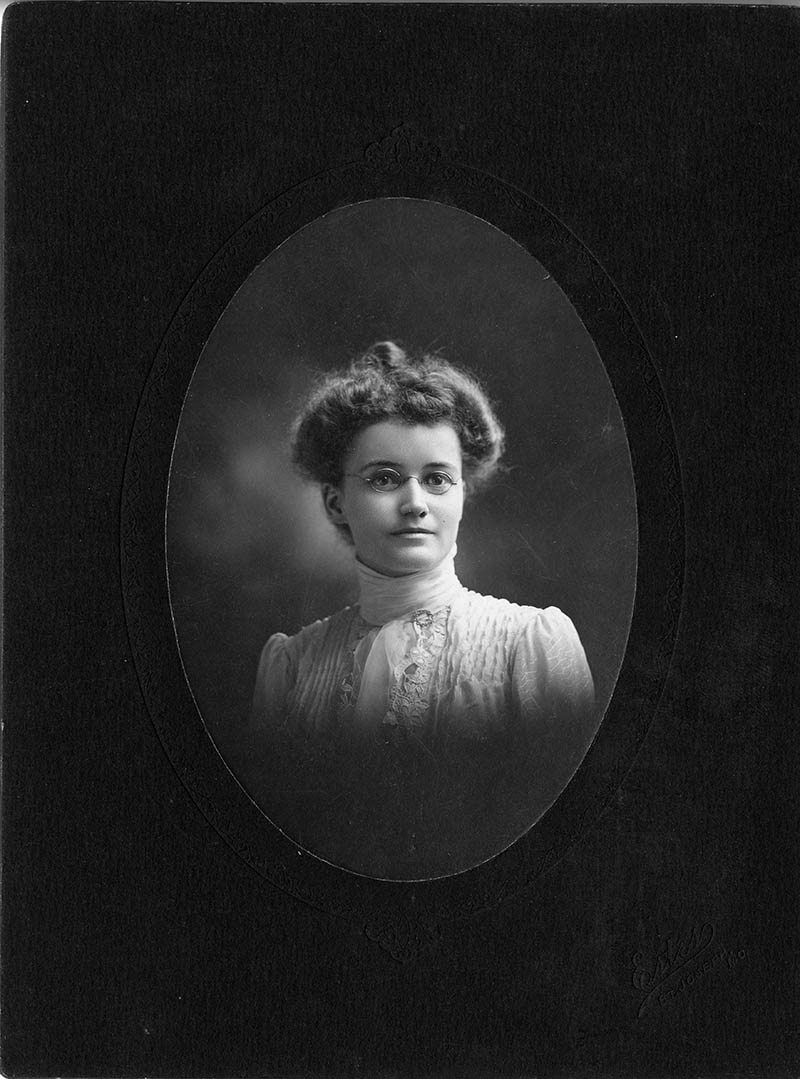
(250, 551)
(141, 140)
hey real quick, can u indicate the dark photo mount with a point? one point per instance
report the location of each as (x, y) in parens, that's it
(152, 922)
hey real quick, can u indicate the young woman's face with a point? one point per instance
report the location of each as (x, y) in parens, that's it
(405, 528)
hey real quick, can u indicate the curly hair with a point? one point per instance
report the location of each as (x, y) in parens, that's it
(388, 383)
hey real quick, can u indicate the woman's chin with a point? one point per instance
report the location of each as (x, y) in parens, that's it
(410, 562)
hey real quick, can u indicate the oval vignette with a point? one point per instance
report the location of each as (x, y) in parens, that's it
(249, 551)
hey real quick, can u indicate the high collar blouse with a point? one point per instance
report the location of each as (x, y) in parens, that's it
(425, 654)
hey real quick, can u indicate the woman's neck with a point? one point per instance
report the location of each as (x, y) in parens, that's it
(384, 598)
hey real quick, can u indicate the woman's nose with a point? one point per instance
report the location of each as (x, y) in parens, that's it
(414, 501)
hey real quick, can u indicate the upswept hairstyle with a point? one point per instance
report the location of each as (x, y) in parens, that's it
(388, 383)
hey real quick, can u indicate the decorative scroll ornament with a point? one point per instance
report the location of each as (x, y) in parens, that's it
(404, 150)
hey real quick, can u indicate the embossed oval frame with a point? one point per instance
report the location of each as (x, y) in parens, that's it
(404, 167)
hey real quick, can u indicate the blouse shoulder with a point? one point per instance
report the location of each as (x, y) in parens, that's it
(273, 677)
(546, 623)
(311, 635)
(492, 618)
(550, 659)
(283, 656)
(540, 646)
(321, 634)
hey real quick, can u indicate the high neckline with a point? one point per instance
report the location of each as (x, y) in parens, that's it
(384, 598)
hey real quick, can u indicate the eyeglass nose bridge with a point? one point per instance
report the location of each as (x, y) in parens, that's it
(407, 479)
(421, 495)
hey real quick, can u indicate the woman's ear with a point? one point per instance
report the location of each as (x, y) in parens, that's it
(332, 500)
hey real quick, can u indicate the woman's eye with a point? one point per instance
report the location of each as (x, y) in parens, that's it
(438, 481)
(384, 481)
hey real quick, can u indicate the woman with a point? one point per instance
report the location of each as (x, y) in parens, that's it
(423, 730)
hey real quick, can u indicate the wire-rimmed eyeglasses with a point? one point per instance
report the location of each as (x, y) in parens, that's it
(387, 480)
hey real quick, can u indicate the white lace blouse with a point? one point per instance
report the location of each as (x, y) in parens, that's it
(470, 668)
(421, 731)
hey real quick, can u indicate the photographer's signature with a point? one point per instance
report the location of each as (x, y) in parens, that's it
(655, 972)
(675, 964)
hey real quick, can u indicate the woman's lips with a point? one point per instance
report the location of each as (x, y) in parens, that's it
(412, 532)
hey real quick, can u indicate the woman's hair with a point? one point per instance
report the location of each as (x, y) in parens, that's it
(388, 383)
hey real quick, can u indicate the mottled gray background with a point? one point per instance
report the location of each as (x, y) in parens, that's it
(249, 551)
